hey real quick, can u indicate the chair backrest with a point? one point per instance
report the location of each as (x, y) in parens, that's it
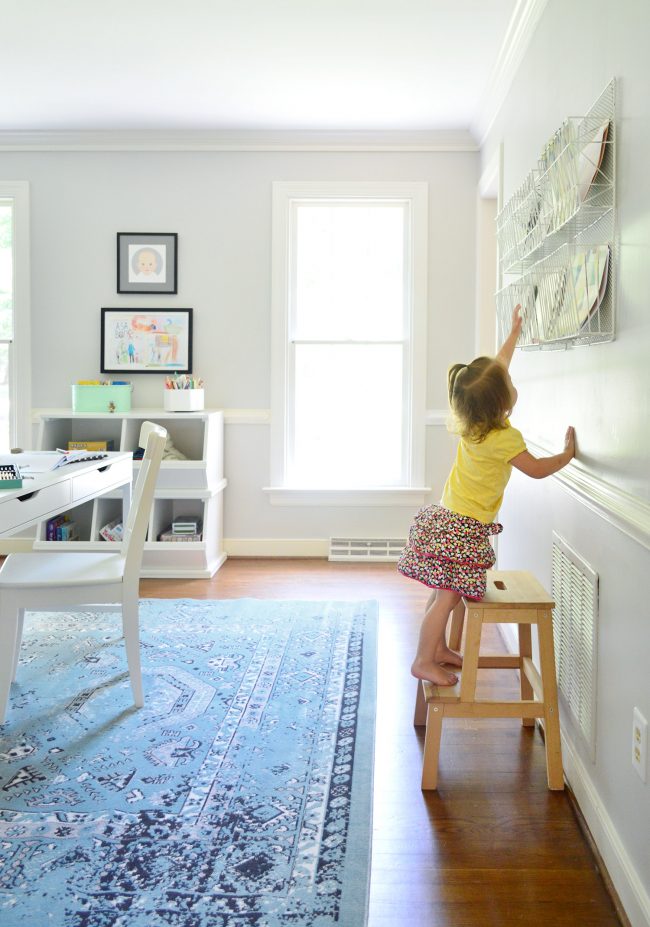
(152, 439)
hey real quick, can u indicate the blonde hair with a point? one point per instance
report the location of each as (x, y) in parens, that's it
(479, 397)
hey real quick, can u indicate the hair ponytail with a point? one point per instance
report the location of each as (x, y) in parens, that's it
(479, 397)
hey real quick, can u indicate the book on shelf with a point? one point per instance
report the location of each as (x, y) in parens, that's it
(176, 538)
(113, 531)
(187, 524)
(61, 528)
(52, 524)
(91, 445)
(67, 532)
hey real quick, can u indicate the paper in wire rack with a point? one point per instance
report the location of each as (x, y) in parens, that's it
(591, 159)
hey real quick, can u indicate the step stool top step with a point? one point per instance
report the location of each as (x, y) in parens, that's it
(513, 589)
(433, 693)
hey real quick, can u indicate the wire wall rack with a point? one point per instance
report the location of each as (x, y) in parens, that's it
(567, 298)
(557, 236)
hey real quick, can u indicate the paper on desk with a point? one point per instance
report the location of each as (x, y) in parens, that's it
(45, 461)
(32, 461)
(71, 457)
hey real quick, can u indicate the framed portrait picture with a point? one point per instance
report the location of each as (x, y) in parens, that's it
(146, 341)
(147, 262)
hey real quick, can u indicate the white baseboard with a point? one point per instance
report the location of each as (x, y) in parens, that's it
(276, 547)
(624, 877)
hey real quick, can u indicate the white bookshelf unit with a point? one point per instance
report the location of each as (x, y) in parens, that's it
(193, 486)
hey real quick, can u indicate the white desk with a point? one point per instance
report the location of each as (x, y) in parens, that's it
(56, 491)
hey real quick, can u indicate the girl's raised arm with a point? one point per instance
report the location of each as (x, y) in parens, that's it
(507, 349)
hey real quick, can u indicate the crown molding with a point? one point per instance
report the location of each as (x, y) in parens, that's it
(521, 28)
(205, 140)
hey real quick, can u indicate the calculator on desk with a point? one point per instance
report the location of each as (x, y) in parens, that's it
(10, 477)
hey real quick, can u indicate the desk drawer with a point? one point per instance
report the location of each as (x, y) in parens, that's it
(33, 506)
(95, 482)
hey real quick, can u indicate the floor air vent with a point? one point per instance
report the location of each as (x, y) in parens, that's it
(575, 633)
(365, 549)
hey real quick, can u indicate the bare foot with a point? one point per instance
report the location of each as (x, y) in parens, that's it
(434, 673)
(445, 655)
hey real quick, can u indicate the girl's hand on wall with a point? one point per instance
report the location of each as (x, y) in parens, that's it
(539, 467)
(570, 443)
(516, 319)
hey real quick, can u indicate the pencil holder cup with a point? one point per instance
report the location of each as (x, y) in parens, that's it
(183, 400)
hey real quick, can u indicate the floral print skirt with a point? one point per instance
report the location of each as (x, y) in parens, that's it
(449, 551)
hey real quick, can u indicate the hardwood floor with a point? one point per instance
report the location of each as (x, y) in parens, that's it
(492, 846)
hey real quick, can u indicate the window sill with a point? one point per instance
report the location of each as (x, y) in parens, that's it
(389, 495)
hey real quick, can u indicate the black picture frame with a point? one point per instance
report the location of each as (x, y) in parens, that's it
(146, 340)
(147, 262)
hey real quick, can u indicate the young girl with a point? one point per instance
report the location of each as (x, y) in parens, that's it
(449, 547)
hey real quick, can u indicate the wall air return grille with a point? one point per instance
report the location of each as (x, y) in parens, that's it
(575, 632)
(359, 550)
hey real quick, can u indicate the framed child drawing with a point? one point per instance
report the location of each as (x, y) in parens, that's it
(147, 262)
(146, 341)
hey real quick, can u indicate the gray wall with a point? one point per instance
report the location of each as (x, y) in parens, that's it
(604, 392)
(220, 206)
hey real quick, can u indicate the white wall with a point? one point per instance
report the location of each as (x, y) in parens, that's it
(220, 206)
(486, 276)
(604, 391)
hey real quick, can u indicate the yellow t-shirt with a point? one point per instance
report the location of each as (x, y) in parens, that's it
(481, 472)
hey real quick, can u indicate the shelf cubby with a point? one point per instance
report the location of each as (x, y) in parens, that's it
(165, 510)
(82, 516)
(56, 432)
(107, 509)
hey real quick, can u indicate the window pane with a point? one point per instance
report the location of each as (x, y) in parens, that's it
(6, 270)
(349, 271)
(5, 432)
(348, 416)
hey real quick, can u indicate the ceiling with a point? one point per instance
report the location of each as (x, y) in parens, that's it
(161, 65)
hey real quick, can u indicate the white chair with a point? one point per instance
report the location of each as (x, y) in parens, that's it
(51, 581)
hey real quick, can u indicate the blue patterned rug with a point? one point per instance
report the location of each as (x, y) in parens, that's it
(239, 796)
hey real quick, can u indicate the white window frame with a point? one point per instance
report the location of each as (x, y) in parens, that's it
(284, 196)
(20, 378)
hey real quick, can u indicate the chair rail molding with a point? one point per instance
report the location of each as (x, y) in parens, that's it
(437, 417)
(627, 512)
(249, 416)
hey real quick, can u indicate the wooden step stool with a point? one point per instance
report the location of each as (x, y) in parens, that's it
(511, 597)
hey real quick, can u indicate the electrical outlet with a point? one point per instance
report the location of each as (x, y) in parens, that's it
(640, 744)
